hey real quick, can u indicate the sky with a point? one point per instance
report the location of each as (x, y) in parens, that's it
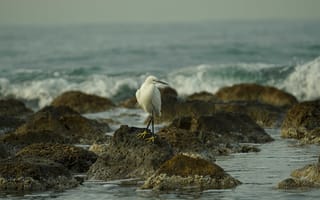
(154, 11)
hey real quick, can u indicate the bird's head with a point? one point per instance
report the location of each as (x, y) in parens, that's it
(154, 80)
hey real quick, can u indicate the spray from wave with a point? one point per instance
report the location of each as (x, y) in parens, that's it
(300, 80)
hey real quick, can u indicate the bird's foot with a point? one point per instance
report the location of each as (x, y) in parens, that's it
(151, 139)
(143, 134)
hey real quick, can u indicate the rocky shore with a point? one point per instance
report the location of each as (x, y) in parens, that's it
(40, 150)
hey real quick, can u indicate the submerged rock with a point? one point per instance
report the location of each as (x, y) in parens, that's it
(33, 174)
(74, 158)
(254, 92)
(130, 157)
(302, 122)
(181, 172)
(83, 103)
(306, 177)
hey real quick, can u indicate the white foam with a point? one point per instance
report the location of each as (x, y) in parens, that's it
(46, 90)
(303, 82)
(212, 77)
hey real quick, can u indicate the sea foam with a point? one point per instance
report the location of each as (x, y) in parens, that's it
(303, 82)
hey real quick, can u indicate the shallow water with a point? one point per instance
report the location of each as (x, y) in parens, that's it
(259, 172)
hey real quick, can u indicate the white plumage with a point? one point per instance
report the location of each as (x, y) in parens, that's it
(149, 98)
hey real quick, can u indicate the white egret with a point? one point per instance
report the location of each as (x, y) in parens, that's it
(149, 98)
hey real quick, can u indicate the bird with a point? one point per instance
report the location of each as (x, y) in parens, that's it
(149, 98)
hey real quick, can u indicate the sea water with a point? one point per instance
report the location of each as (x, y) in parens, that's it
(37, 63)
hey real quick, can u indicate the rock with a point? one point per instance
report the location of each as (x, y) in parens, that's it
(99, 149)
(173, 108)
(267, 116)
(33, 174)
(14, 108)
(254, 92)
(8, 123)
(306, 177)
(130, 157)
(3, 152)
(181, 172)
(67, 122)
(129, 103)
(202, 96)
(73, 158)
(220, 133)
(302, 122)
(56, 125)
(83, 103)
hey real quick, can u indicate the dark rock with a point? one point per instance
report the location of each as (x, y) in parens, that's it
(202, 96)
(129, 103)
(302, 122)
(265, 115)
(33, 174)
(3, 151)
(182, 172)
(74, 158)
(56, 125)
(130, 157)
(14, 108)
(8, 123)
(259, 93)
(306, 177)
(83, 103)
(220, 133)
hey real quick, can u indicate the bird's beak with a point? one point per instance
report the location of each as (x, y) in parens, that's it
(162, 82)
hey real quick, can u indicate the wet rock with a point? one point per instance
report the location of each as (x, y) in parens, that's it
(83, 103)
(56, 125)
(73, 158)
(202, 96)
(306, 177)
(129, 103)
(14, 108)
(183, 172)
(33, 174)
(130, 157)
(220, 133)
(67, 122)
(267, 116)
(302, 122)
(3, 152)
(8, 123)
(254, 92)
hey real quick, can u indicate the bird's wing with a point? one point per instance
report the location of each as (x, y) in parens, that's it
(138, 96)
(156, 101)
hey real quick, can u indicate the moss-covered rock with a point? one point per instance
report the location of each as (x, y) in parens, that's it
(305, 177)
(208, 136)
(74, 158)
(128, 156)
(254, 92)
(302, 122)
(182, 172)
(83, 103)
(33, 174)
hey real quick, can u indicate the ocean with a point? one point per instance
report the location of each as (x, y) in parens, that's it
(39, 62)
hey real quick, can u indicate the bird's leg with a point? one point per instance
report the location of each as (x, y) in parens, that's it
(145, 132)
(153, 136)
